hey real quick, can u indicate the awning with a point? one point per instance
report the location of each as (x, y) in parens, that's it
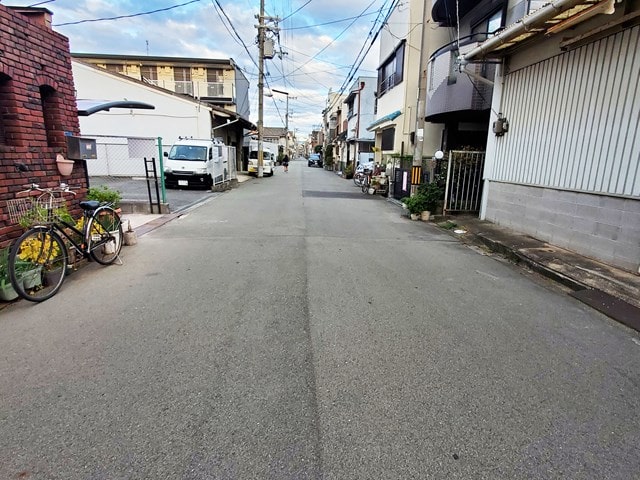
(88, 107)
(551, 18)
(382, 121)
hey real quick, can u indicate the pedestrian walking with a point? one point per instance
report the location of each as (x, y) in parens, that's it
(285, 163)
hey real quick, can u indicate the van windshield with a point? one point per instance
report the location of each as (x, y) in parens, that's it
(188, 152)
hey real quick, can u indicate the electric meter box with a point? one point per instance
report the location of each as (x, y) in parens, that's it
(79, 148)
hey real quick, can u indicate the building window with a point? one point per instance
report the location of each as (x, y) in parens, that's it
(182, 78)
(388, 135)
(149, 73)
(215, 82)
(391, 71)
(116, 68)
(488, 26)
(50, 100)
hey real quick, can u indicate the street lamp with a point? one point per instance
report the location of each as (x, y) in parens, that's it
(286, 116)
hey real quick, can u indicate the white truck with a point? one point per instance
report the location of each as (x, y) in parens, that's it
(269, 158)
(196, 162)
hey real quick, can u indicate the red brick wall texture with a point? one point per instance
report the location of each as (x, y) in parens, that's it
(37, 107)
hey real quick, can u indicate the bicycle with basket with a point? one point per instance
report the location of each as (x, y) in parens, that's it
(39, 259)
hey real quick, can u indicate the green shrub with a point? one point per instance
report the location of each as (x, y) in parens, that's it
(433, 195)
(415, 204)
(104, 194)
(348, 171)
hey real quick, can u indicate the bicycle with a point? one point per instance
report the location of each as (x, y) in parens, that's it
(39, 259)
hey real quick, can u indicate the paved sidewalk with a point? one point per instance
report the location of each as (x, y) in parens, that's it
(613, 291)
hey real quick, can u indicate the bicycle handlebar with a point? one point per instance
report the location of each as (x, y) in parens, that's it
(62, 188)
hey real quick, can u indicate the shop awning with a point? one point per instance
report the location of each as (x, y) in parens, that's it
(384, 121)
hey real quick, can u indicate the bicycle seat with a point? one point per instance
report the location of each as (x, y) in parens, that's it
(89, 204)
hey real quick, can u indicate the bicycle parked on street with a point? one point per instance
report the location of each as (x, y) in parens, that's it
(39, 259)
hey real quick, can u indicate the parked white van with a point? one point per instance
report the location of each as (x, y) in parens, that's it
(269, 157)
(196, 162)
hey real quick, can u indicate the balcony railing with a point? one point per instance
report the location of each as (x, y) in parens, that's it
(198, 89)
(450, 90)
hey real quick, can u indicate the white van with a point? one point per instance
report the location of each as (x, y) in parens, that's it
(269, 157)
(196, 162)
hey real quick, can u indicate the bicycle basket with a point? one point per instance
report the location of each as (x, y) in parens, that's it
(34, 211)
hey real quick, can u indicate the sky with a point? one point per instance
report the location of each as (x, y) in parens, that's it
(321, 41)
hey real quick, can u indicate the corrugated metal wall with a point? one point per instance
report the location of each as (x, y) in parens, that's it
(575, 120)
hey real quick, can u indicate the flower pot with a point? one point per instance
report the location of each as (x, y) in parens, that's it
(415, 216)
(32, 278)
(65, 167)
(51, 277)
(7, 292)
(425, 215)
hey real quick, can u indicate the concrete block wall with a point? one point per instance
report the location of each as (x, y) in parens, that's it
(35, 59)
(602, 227)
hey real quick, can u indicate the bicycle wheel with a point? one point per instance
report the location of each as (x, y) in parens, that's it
(38, 264)
(358, 179)
(104, 235)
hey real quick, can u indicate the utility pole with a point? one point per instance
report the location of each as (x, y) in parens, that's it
(357, 145)
(262, 55)
(416, 169)
(260, 88)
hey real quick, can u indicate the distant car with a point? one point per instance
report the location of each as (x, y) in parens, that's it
(315, 160)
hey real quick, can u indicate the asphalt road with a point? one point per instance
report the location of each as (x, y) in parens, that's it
(295, 328)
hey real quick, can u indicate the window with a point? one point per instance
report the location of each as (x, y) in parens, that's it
(488, 26)
(115, 68)
(149, 74)
(391, 71)
(215, 82)
(182, 77)
(388, 135)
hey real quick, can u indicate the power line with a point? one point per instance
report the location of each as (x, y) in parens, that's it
(296, 11)
(331, 22)
(126, 16)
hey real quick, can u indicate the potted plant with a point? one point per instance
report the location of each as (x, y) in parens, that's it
(433, 196)
(7, 292)
(104, 194)
(416, 204)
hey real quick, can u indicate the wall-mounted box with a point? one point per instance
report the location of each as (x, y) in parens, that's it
(79, 148)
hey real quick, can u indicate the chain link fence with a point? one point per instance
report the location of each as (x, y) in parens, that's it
(133, 166)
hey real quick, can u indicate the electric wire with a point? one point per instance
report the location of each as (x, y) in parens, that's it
(119, 17)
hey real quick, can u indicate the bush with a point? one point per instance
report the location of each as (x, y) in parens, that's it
(348, 171)
(104, 194)
(415, 204)
(433, 195)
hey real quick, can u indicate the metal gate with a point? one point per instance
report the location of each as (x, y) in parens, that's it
(401, 183)
(463, 192)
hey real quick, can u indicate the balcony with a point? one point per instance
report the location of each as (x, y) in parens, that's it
(450, 92)
(212, 92)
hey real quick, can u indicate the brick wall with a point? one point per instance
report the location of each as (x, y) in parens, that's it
(37, 107)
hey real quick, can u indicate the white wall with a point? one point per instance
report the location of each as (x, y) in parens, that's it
(172, 117)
